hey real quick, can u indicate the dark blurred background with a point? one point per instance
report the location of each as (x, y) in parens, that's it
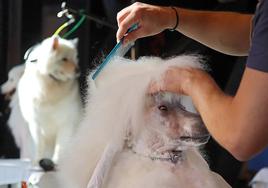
(24, 23)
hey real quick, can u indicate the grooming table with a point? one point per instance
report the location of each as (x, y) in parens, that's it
(13, 171)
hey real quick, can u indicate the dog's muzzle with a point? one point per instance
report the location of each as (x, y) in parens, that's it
(173, 156)
(195, 140)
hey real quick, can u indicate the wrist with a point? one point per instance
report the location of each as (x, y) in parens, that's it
(171, 18)
(199, 80)
(176, 19)
(202, 88)
(187, 84)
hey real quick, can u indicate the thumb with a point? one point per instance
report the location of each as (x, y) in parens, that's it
(154, 87)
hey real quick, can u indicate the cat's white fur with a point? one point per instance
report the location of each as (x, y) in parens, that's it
(115, 107)
(49, 96)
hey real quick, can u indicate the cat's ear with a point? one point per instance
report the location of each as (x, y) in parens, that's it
(55, 44)
(75, 41)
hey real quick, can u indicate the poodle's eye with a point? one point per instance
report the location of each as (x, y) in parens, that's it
(183, 107)
(64, 59)
(163, 108)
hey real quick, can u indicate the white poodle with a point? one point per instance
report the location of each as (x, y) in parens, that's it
(130, 139)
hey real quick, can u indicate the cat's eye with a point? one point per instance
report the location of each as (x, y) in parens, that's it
(163, 108)
(64, 59)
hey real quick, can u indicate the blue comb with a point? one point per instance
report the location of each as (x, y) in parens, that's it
(118, 50)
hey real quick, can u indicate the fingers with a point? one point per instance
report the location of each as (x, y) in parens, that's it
(171, 81)
(128, 17)
(121, 15)
(153, 87)
(151, 19)
(125, 24)
(157, 86)
(134, 35)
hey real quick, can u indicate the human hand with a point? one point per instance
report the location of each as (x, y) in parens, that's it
(175, 80)
(184, 81)
(151, 21)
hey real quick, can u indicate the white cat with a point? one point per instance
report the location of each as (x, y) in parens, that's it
(49, 95)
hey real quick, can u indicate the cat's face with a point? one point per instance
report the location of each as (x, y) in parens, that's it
(59, 59)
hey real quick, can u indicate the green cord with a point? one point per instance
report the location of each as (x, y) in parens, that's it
(75, 27)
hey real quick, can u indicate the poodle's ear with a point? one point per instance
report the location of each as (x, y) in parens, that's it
(75, 42)
(55, 44)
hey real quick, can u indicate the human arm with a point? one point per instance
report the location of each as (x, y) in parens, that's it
(223, 31)
(238, 123)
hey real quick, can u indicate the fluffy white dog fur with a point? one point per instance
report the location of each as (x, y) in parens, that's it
(16, 122)
(14, 76)
(125, 139)
(49, 95)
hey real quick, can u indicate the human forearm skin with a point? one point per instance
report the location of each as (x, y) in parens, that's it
(226, 32)
(238, 123)
(214, 106)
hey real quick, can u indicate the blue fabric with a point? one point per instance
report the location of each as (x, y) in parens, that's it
(258, 54)
(258, 59)
(259, 161)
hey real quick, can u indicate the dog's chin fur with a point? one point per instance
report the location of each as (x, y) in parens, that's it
(51, 106)
(115, 107)
(14, 76)
(16, 122)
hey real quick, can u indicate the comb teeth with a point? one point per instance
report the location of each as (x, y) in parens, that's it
(122, 50)
(119, 50)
